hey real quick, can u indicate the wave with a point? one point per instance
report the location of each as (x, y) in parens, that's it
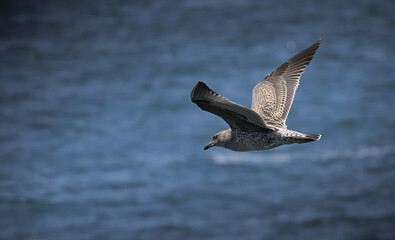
(327, 155)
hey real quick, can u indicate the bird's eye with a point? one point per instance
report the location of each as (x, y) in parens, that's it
(215, 137)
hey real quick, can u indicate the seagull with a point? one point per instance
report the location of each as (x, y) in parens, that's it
(262, 126)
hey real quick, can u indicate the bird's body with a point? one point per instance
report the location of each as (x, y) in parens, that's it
(243, 141)
(263, 126)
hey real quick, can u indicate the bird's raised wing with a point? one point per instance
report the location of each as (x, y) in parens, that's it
(273, 96)
(237, 116)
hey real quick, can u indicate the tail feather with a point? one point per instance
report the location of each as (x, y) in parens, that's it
(314, 137)
(309, 138)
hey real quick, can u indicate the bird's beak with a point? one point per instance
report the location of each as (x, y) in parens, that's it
(209, 145)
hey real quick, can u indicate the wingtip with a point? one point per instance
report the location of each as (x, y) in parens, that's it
(313, 47)
(318, 42)
(195, 89)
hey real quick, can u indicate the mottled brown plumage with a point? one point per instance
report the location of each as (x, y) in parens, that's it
(273, 96)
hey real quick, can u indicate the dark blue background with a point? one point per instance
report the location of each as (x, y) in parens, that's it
(99, 139)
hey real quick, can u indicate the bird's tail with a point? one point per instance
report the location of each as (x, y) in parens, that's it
(309, 138)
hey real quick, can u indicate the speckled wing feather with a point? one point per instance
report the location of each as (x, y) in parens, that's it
(273, 96)
(237, 116)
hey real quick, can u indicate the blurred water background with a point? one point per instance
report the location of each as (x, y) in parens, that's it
(99, 138)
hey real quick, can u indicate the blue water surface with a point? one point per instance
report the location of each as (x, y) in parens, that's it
(99, 138)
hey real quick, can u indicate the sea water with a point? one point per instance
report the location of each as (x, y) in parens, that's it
(99, 138)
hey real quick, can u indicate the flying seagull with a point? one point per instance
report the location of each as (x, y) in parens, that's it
(262, 126)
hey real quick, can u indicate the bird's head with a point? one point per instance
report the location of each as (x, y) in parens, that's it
(219, 139)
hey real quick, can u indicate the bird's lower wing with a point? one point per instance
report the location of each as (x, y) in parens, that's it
(237, 116)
